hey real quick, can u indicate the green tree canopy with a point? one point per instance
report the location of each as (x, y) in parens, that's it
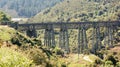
(4, 17)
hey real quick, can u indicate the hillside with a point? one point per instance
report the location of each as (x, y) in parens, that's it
(17, 49)
(14, 44)
(25, 8)
(80, 10)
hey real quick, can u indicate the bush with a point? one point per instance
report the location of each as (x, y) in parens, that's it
(39, 56)
(35, 54)
(19, 39)
(59, 51)
(98, 61)
(63, 65)
(118, 64)
(112, 59)
(11, 58)
(109, 64)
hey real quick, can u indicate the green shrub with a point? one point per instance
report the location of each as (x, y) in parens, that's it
(98, 61)
(112, 59)
(59, 51)
(109, 64)
(118, 64)
(63, 65)
(37, 41)
(11, 58)
(35, 54)
(20, 39)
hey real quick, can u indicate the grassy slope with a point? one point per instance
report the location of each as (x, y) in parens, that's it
(40, 56)
(80, 10)
(11, 58)
(6, 33)
(74, 61)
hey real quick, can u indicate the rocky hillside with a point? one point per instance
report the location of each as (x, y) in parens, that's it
(80, 10)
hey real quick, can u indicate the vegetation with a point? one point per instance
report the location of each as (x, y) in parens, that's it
(24, 51)
(11, 58)
(3, 18)
(18, 50)
(42, 57)
(80, 10)
(25, 8)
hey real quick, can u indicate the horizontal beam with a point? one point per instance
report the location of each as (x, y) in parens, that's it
(70, 25)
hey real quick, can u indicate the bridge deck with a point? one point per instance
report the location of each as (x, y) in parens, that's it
(71, 25)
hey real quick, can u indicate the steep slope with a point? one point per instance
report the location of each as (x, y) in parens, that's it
(25, 8)
(14, 45)
(81, 10)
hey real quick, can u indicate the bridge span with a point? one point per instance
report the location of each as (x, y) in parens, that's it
(82, 27)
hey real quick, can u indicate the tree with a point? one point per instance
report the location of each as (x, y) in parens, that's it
(3, 18)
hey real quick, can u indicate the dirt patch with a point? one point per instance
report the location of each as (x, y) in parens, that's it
(115, 49)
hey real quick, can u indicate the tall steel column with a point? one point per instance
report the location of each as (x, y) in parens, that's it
(67, 40)
(63, 38)
(46, 38)
(93, 39)
(98, 41)
(105, 35)
(82, 38)
(52, 36)
(79, 40)
(110, 35)
(49, 36)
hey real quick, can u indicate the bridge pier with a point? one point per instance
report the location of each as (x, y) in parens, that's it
(64, 39)
(96, 44)
(109, 35)
(31, 32)
(49, 37)
(97, 37)
(80, 47)
(82, 39)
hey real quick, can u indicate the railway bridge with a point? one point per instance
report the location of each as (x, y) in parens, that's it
(82, 27)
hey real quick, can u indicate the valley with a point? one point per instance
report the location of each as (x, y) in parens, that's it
(60, 33)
